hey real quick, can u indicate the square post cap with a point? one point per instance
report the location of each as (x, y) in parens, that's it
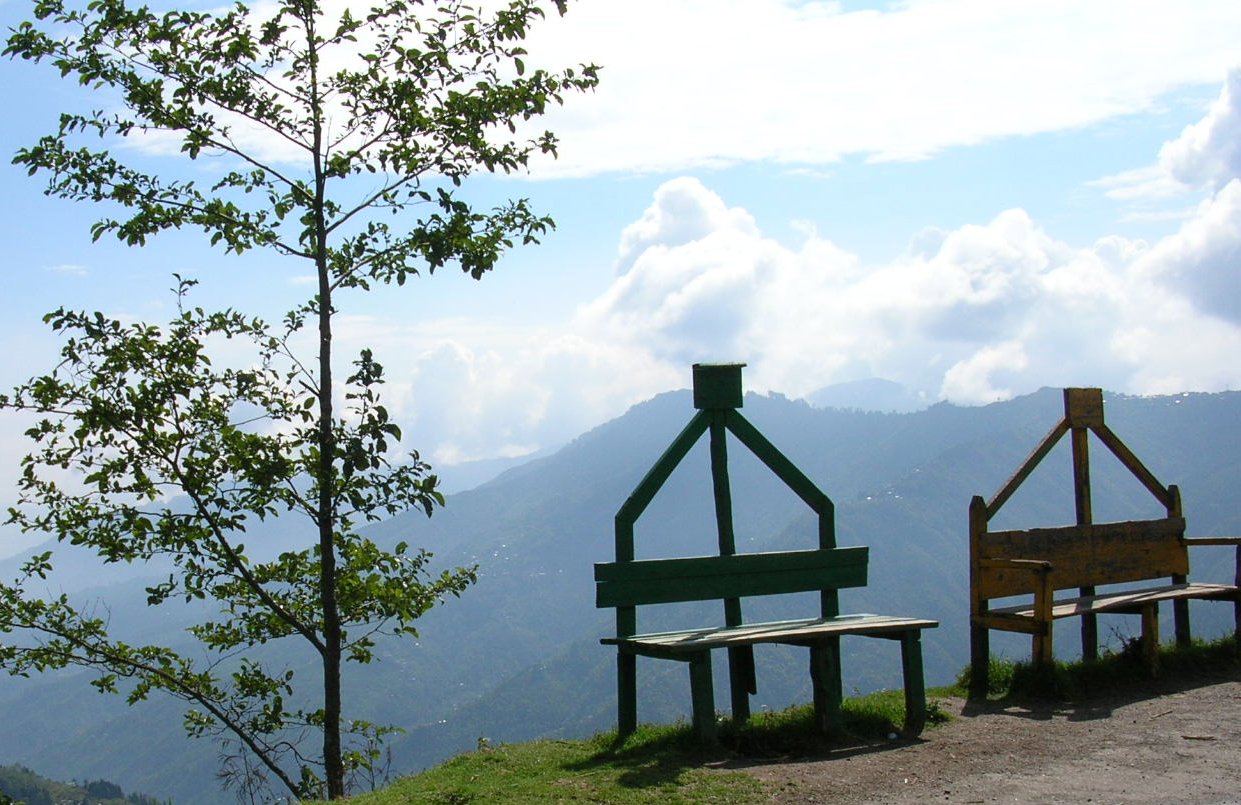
(1083, 408)
(717, 386)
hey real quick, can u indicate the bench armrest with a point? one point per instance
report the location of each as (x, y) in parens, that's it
(1042, 589)
(1213, 540)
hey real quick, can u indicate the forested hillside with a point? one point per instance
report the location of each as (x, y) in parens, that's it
(518, 655)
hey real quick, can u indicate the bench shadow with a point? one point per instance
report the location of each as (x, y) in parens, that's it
(663, 761)
(654, 763)
(1100, 704)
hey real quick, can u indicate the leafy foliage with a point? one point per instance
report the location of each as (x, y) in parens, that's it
(344, 141)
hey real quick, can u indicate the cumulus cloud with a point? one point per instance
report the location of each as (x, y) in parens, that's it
(1205, 156)
(1203, 260)
(1208, 153)
(971, 315)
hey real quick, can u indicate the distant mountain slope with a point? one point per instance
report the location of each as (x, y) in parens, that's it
(518, 655)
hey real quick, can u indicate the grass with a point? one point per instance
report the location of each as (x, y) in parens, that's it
(657, 764)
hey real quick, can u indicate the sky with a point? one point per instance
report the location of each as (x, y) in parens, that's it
(972, 198)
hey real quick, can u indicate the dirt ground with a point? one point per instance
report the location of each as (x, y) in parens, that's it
(1164, 744)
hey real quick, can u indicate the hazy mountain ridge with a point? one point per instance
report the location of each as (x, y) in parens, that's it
(518, 655)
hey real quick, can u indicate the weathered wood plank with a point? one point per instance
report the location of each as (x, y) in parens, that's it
(1082, 555)
(1130, 601)
(796, 632)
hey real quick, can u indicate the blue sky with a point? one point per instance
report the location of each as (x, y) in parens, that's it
(972, 198)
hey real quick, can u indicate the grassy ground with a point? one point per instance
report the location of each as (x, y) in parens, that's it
(665, 764)
(657, 764)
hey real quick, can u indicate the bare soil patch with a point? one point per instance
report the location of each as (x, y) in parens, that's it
(1174, 741)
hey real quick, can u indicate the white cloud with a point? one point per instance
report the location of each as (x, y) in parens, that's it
(692, 84)
(1203, 260)
(726, 81)
(972, 378)
(1208, 153)
(985, 311)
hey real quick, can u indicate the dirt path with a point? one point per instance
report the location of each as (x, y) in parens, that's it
(1157, 746)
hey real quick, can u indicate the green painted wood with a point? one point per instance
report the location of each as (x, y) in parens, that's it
(688, 567)
(655, 478)
(704, 578)
(776, 461)
(741, 678)
(717, 386)
(825, 678)
(702, 695)
(720, 486)
(626, 693)
(915, 691)
(627, 583)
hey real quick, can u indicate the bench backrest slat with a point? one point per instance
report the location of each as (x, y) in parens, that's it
(704, 578)
(1085, 555)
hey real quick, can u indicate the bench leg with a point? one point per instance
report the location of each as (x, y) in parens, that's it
(741, 679)
(980, 661)
(1090, 630)
(626, 694)
(1041, 650)
(915, 688)
(702, 693)
(1180, 615)
(1150, 637)
(825, 678)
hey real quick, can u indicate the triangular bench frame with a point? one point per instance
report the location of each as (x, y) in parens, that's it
(626, 582)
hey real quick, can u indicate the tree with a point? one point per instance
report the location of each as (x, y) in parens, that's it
(346, 140)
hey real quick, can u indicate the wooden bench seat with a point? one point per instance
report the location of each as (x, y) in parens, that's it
(792, 632)
(1127, 602)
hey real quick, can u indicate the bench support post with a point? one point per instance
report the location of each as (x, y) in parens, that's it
(702, 693)
(915, 687)
(1040, 651)
(1236, 605)
(1150, 637)
(1180, 615)
(742, 680)
(825, 678)
(980, 661)
(626, 693)
(1089, 629)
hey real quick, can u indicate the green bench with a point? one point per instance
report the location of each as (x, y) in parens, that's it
(662, 581)
(730, 577)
